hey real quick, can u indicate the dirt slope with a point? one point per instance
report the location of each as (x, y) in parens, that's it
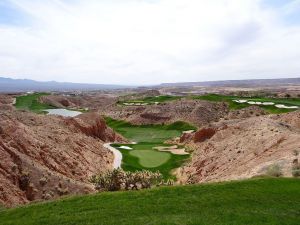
(90, 101)
(43, 157)
(237, 149)
(192, 111)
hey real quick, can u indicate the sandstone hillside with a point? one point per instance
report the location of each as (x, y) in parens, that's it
(43, 157)
(243, 148)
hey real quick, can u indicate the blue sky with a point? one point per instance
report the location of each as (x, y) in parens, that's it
(149, 41)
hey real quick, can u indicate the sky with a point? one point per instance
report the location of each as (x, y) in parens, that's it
(149, 41)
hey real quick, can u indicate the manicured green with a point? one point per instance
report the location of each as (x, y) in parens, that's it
(149, 158)
(134, 163)
(255, 202)
(234, 105)
(143, 156)
(31, 102)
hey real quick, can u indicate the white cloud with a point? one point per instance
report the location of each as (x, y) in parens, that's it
(150, 41)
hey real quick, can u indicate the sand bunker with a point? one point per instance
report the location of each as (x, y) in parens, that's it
(125, 147)
(135, 104)
(188, 131)
(240, 101)
(281, 106)
(173, 149)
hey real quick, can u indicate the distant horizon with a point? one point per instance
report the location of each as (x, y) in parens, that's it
(156, 84)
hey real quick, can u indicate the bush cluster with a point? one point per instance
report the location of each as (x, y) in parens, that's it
(274, 171)
(119, 179)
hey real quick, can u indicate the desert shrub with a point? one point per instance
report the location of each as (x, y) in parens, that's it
(296, 168)
(118, 179)
(62, 191)
(274, 170)
(24, 180)
(2, 208)
(296, 172)
(43, 181)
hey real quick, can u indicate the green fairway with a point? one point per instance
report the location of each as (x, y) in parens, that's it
(143, 156)
(134, 163)
(148, 133)
(31, 102)
(234, 105)
(255, 202)
(151, 100)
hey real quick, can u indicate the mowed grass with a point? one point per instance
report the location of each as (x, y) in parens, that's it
(255, 202)
(150, 159)
(148, 133)
(234, 105)
(143, 156)
(31, 102)
(152, 100)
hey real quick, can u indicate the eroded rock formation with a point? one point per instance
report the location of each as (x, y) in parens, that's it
(43, 157)
(243, 148)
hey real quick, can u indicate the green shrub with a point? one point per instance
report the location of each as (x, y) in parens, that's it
(2, 208)
(118, 179)
(274, 171)
(296, 169)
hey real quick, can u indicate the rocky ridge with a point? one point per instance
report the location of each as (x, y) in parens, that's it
(43, 157)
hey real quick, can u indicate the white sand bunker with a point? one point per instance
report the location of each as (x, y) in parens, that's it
(135, 104)
(173, 149)
(240, 101)
(268, 103)
(188, 131)
(125, 147)
(281, 106)
(254, 103)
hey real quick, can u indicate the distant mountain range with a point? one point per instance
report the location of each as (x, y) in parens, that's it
(24, 85)
(238, 83)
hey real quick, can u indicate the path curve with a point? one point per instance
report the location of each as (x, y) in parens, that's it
(117, 155)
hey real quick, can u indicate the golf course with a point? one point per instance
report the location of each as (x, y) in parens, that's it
(234, 105)
(256, 201)
(31, 102)
(150, 100)
(143, 153)
(279, 105)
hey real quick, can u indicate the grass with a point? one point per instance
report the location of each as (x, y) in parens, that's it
(235, 105)
(148, 133)
(152, 100)
(143, 156)
(224, 98)
(149, 158)
(31, 102)
(255, 201)
(138, 162)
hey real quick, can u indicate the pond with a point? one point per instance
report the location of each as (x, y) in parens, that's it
(62, 112)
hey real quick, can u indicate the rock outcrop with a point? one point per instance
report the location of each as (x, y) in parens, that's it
(43, 157)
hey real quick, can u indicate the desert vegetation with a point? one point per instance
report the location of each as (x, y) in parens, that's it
(118, 179)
